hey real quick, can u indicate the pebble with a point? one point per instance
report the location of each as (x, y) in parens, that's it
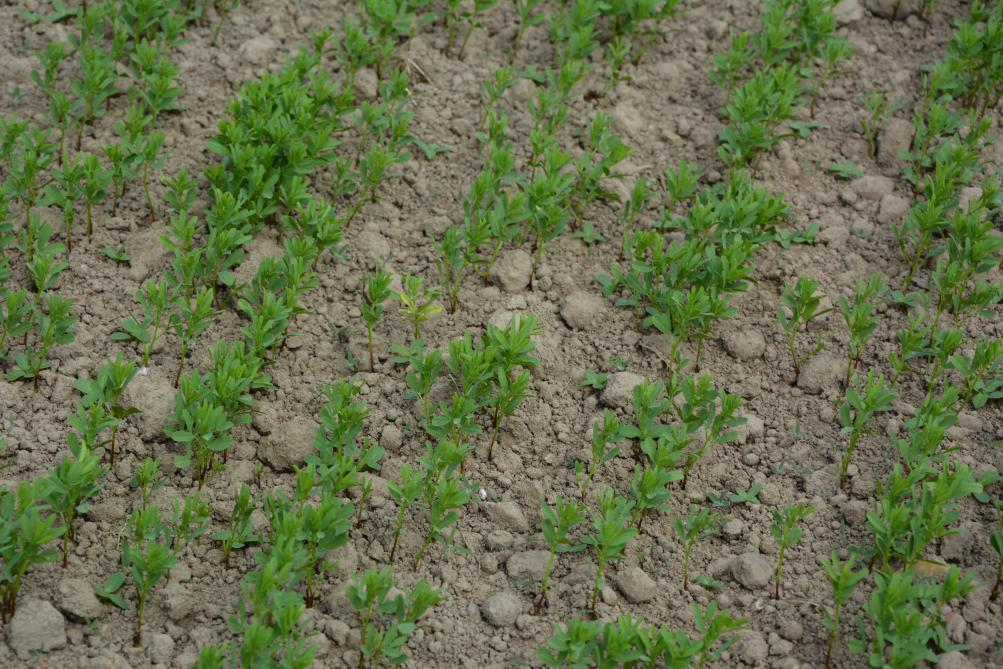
(744, 343)
(895, 137)
(892, 209)
(502, 608)
(289, 445)
(635, 585)
(580, 310)
(507, 514)
(512, 270)
(530, 565)
(77, 599)
(954, 660)
(37, 626)
(619, 390)
(790, 629)
(752, 570)
(823, 372)
(893, 9)
(752, 647)
(872, 187)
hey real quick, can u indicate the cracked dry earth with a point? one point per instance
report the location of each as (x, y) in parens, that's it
(667, 111)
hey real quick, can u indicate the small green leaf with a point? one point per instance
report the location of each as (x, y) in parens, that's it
(116, 254)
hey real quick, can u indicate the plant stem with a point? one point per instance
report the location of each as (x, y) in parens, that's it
(832, 635)
(369, 334)
(845, 464)
(686, 566)
(780, 568)
(496, 421)
(544, 584)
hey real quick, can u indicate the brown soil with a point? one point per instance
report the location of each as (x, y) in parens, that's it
(667, 111)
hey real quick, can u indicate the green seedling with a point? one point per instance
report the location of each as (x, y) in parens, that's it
(404, 494)
(156, 298)
(709, 411)
(786, 533)
(604, 449)
(801, 305)
(147, 557)
(55, 326)
(118, 255)
(843, 580)
(375, 291)
(879, 111)
(150, 159)
(109, 590)
(423, 370)
(861, 404)
(996, 541)
(147, 479)
(108, 390)
(860, 319)
(443, 500)
(981, 373)
(698, 524)
(97, 83)
(63, 192)
(189, 521)
(556, 524)
(418, 304)
(27, 532)
(192, 318)
(712, 625)
(387, 623)
(201, 426)
(594, 380)
(530, 14)
(613, 531)
(845, 170)
(650, 489)
(509, 394)
(95, 187)
(72, 482)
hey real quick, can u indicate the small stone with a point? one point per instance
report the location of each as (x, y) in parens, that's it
(507, 514)
(289, 445)
(502, 608)
(896, 10)
(872, 187)
(531, 565)
(733, 527)
(372, 244)
(752, 647)
(512, 271)
(619, 390)
(894, 138)
(581, 310)
(499, 540)
(848, 11)
(954, 660)
(752, 570)
(391, 437)
(892, 209)
(159, 648)
(823, 372)
(750, 459)
(109, 660)
(77, 599)
(627, 119)
(752, 429)
(635, 585)
(37, 625)
(791, 629)
(258, 50)
(744, 343)
(153, 395)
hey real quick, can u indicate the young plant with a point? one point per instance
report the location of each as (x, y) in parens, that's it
(843, 580)
(387, 623)
(603, 436)
(860, 319)
(418, 304)
(801, 305)
(239, 532)
(404, 494)
(650, 488)
(202, 426)
(27, 532)
(996, 541)
(64, 191)
(95, 187)
(861, 404)
(444, 494)
(712, 625)
(192, 318)
(879, 110)
(189, 521)
(147, 557)
(55, 326)
(698, 524)
(107, 390)
(375, 291)
(74, 480)
(613, 531)
(423, 370)
(786, 533)
(157, 298)
(147, 479)
(556, 524)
